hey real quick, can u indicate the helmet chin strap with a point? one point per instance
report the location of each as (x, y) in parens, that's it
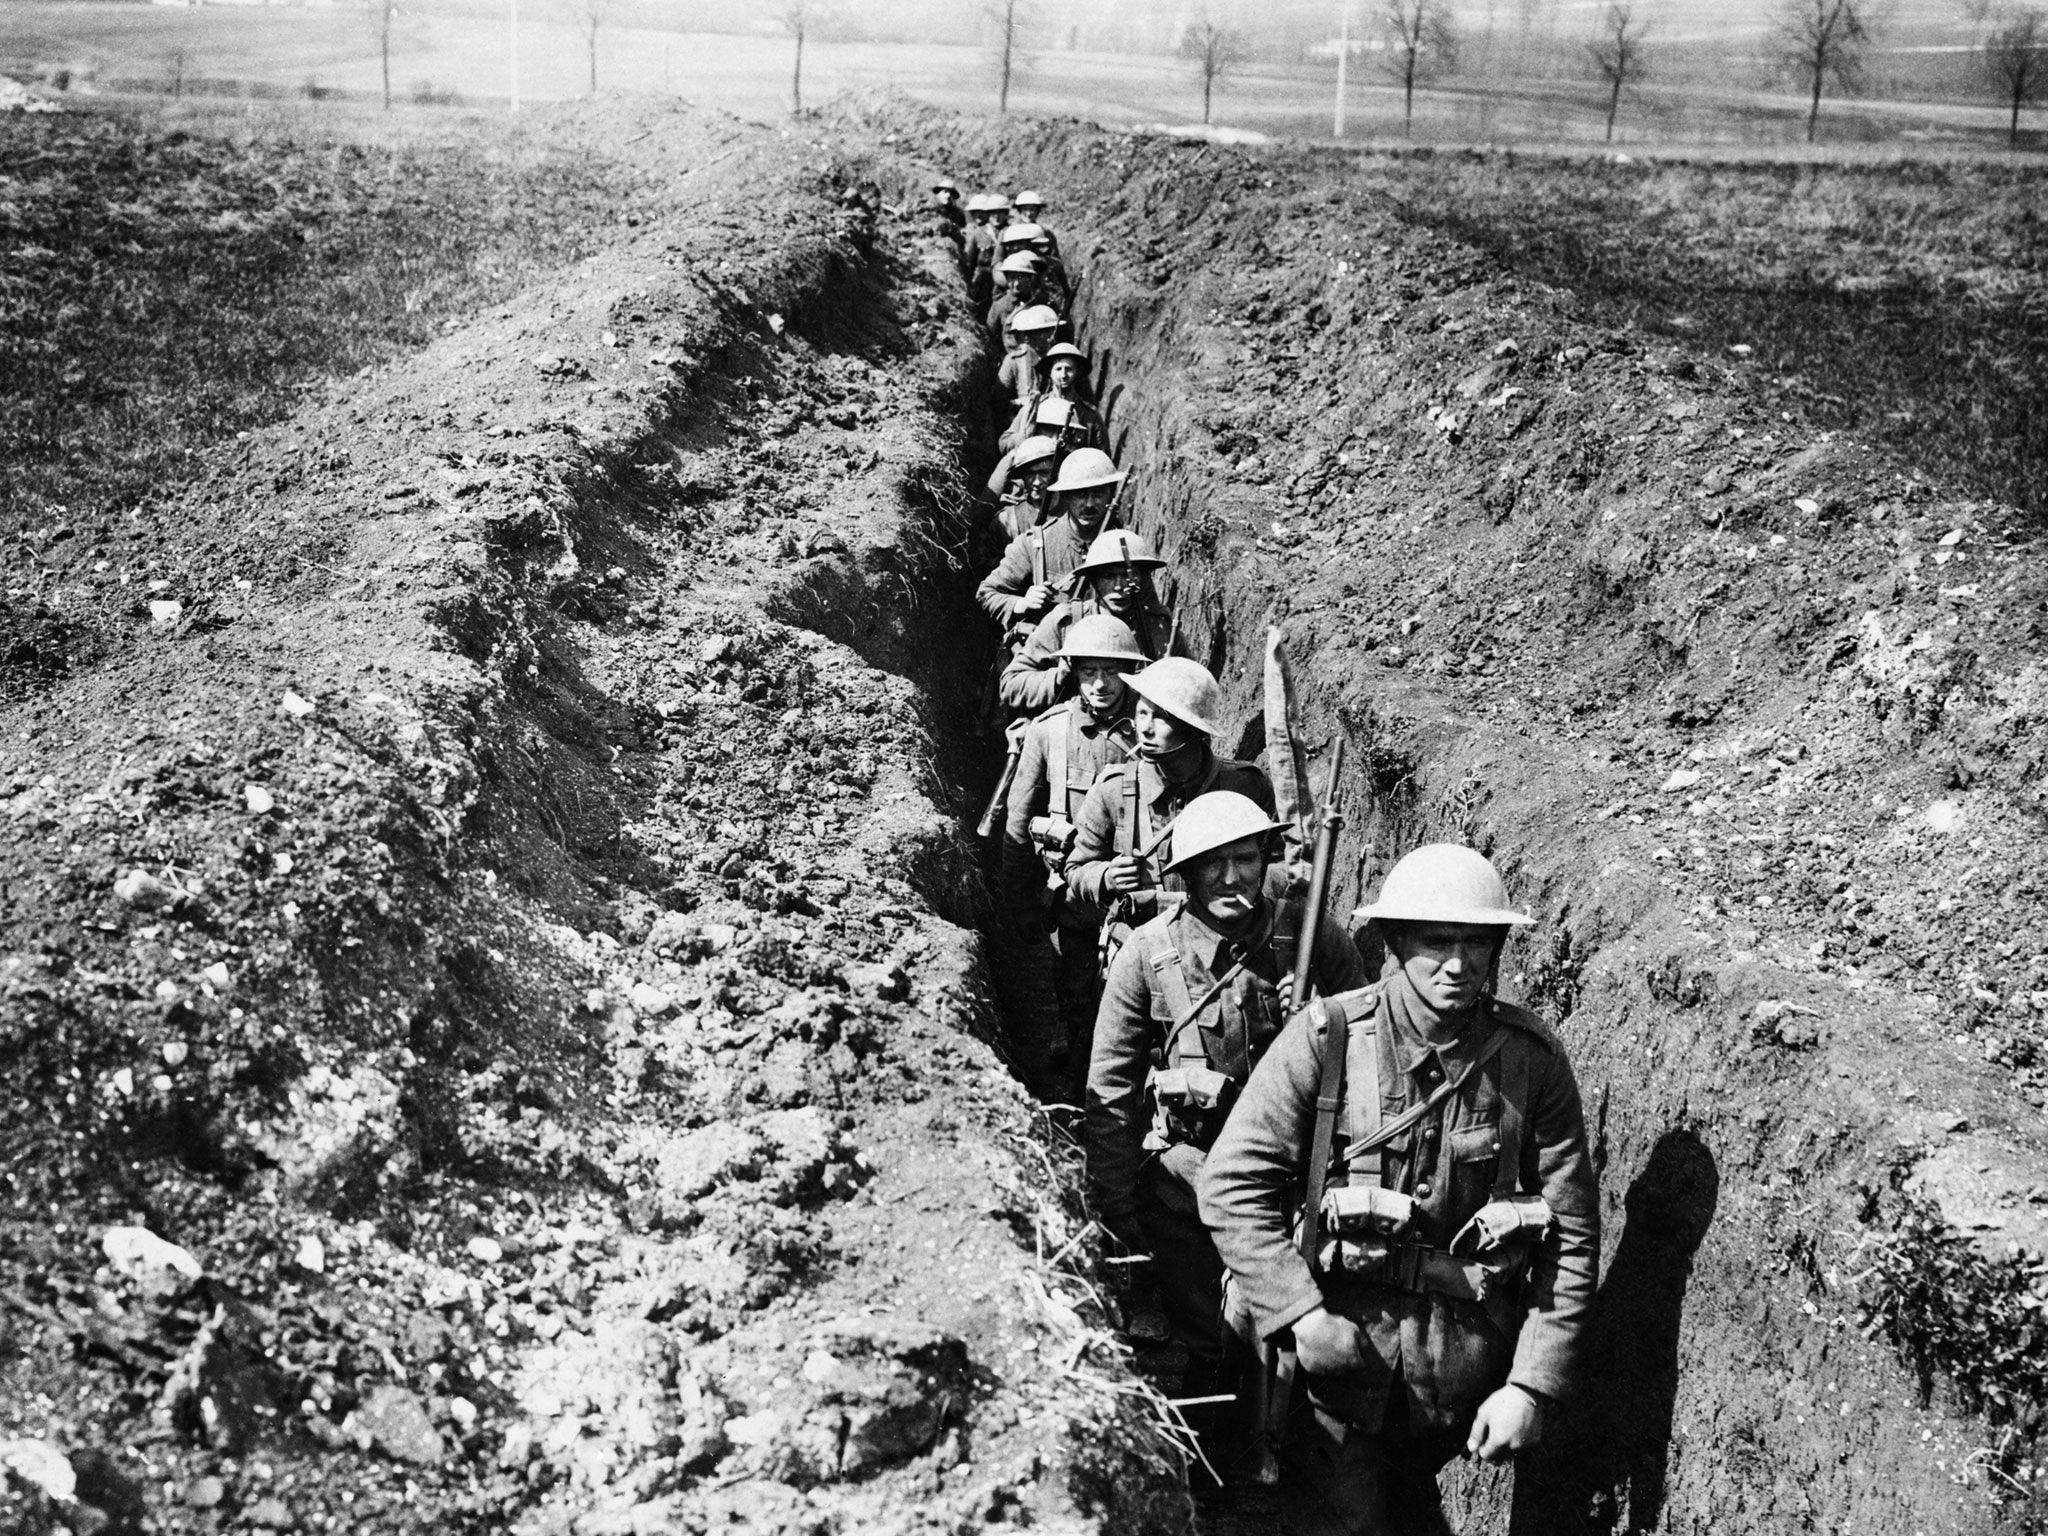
(1155, 755)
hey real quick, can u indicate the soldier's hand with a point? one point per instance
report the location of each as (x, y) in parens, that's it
(1036, 599)
(1120, 877)
(1325, 1344)
(1510, 1420)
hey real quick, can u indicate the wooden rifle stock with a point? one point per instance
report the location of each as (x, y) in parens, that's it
(987, 825)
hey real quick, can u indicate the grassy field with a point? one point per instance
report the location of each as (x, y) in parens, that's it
(1713, 84)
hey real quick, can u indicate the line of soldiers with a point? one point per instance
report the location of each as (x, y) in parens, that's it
(1369, 1224)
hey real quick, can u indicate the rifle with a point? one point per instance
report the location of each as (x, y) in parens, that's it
(1276, 1366)
(1015, 738)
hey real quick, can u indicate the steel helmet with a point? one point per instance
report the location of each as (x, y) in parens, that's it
(1068, 349)
(1445, 883)
(997, 203)
(1022, 261)
(1111, 549)
(978, 202)
(1032, 449)
(1022, 233)
(1216, 820)
(1053, 413)
(1086, 468)
(1035, 317)
(1183, 688)
(945, 184)
(1101, 637)
(1028, 199)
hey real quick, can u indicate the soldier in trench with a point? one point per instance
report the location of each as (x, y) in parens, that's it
(1030, 333)
(1019, 273)
(1030, 207)
(1191, 1003)
(1021, 482)
(1438, 1301)
(946, 204)
(1116, 579)
(1064, 750)
(1029, 239)
(1038, 565)
(1059, 379)
(979, 250)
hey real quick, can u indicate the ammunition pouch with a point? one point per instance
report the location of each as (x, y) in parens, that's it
(1522, 1219)
(1053, 836)
(1359, 1211)
(1189, 1105)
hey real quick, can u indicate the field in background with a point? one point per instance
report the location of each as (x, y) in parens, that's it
(131, 48)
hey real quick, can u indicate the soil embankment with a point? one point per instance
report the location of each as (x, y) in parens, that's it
(1752, 713)
(504, 920)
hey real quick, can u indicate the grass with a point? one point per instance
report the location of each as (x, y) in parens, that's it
(168, 282)
(1905, 303)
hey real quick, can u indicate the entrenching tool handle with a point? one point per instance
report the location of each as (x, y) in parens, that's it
(987, 825)
(1319, 882)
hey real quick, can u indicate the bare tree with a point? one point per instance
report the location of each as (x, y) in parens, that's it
(1823, 40)
(1422, 43)
(1618, 53)
(384, 21)
(797, 17)
(1216, 52)
(2016, 63)
(590, 16)
(1011, 17)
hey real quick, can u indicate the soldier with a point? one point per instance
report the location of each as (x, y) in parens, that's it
(1031, 331)
(1030, 205)
(1191, 1004)
(1026, 583)
(1113, 869)
(979, 250)
(946, 202)
(1061, 379)
(1020, 273)
(1029, 239)
(1022, 480)
(1438, 1301)
(1063, 752)
(1117, 579)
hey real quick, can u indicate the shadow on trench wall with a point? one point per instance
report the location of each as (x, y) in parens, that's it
(1603, 1468)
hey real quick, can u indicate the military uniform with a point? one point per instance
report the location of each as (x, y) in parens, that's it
(1048, 553)
(1144, 1159)
(1441, 1330)
(1064, 751)
(1031, 681)
(1127, 809)
(1083, 428)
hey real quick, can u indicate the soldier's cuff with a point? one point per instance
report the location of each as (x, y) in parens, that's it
(1545, 1385)
(1298, 1306)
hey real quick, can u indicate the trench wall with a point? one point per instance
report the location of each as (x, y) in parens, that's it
(1734, 1387)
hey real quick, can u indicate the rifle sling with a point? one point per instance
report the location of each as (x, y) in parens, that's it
(1336, 1041)
(1402, 1123)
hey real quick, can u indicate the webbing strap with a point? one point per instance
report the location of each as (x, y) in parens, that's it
(1037, 538)
(1514, 1096)
(1336, 1042)
(1058, 749)
(1415, 1113)
(1364, 1094)
(1173, 982)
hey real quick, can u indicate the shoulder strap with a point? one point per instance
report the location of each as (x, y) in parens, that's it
(1059, 744)
(1514, 1101)
(1363, 1095)
(1127, 811)
(1173, 981)
(1336, 1042)
(1037, 538)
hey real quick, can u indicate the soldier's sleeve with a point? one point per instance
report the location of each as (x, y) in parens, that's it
(1094, 841)
(1007, 581)
(1031, 681)
(1018, 429)
(1550, 1355)
(1022, 871)
(1113, 1133)
(999, 477)
(1257, 1168)
(1339, 966)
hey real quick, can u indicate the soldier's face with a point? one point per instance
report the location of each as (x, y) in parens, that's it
(1158, 732)
(1224, 885)
(1446, 963)
(1087, 508)
(1118, 592)
(1065, 374)
(1100, 685)
(1036, 478)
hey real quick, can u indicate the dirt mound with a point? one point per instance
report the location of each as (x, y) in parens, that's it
(1752, 711)
(513, 951)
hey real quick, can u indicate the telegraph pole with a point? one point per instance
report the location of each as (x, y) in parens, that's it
(514, 29)
(1343, 60)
